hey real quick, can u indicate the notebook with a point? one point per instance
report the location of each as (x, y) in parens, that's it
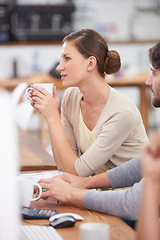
(42, 175)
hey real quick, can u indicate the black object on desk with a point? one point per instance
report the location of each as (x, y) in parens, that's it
(63, 222)
(34, 213)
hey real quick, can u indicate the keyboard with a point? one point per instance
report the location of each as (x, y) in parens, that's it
(30, 232)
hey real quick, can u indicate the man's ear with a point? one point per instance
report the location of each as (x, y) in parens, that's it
(92, 62)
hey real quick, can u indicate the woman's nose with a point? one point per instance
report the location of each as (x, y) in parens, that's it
(59, 68)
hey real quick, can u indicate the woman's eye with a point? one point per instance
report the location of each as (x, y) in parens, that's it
(67, 58)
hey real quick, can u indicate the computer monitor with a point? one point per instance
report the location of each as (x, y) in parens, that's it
(9, 216)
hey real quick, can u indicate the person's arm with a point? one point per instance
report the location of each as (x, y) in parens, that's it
(57, 188)
(69, 116)
(122, 203)
(100, 151)
(97, 181)
(148, 222)
(113, 132)
(124, 175)
(48, 106)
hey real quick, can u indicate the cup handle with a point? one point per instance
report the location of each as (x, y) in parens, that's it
(27, 92)
(40, 191)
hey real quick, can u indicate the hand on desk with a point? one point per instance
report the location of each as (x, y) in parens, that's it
(73, 180)
(62, 191)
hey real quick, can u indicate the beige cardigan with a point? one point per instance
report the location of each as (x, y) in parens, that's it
(120, 132)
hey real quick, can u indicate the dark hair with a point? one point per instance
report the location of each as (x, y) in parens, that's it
(154, 56)
(90, 43)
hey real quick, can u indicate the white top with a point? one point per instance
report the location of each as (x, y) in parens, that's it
(86, 136)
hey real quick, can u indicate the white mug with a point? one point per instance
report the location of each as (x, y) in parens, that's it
(46, 86)
(94, 231)
(25, 187)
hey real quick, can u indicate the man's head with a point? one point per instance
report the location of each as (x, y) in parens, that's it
(154, 80)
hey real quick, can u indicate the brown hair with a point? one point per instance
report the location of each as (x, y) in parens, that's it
(154, 56)
(90, 43)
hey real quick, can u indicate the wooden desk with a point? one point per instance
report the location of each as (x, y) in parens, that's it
(31, 154)
(119, 230)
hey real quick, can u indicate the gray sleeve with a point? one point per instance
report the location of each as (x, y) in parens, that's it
(126, 174)
(123, 203)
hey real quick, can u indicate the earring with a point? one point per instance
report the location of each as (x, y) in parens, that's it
(88, 68)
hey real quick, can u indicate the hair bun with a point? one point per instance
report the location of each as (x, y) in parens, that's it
(112, 63)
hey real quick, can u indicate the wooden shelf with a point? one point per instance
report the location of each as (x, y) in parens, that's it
(10, 84)
(30, 43)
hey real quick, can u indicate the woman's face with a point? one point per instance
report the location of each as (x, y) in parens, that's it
(73, 65)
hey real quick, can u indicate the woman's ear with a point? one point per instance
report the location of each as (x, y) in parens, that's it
(92, 62)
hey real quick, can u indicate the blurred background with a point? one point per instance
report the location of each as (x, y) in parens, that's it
(31, 32)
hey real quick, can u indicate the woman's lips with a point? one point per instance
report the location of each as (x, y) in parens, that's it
(63, 76)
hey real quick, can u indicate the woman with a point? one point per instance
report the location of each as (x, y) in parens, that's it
(100, 126)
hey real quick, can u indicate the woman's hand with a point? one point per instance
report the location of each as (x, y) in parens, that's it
(47, 104)
(73, 180)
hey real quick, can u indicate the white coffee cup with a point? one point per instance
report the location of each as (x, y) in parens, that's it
(94, 231)
(25, 187)
(46, 86)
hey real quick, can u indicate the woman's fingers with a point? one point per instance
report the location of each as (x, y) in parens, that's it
(40, 89)
(55, 93)
(44, 185)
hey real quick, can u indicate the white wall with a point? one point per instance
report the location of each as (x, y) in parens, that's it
(29, 59)
(119, 19)
(42, 57)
